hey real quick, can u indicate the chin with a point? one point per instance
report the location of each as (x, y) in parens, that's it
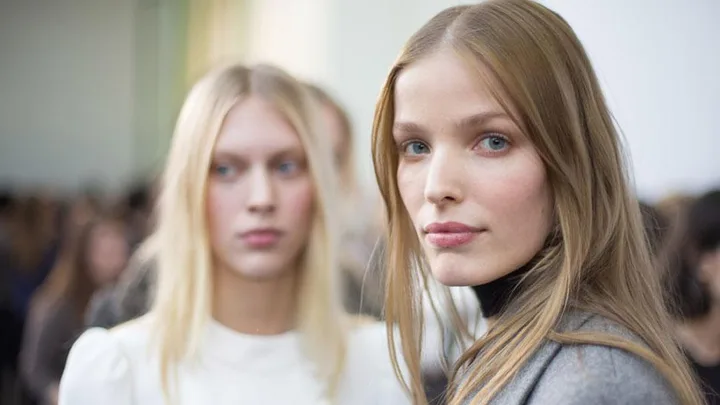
(460, 272)
(448, 274)
(258, 268)
(259, 275)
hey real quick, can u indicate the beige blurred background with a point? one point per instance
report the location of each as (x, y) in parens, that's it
(89, 89)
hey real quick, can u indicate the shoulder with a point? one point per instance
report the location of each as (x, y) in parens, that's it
(102, 364)
(597, 374)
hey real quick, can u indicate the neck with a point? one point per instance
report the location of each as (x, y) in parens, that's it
(701, 337)
(255, 306)
(495, 296)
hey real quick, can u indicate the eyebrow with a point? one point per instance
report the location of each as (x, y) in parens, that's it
(476, 120)
(471, 121)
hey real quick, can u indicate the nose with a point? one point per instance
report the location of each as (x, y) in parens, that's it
(262, 196)
(444, 180)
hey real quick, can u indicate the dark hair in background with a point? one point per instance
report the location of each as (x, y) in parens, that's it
(698, 233)
(33, 230)
(7, 201)
(139, 198)
(704, 223)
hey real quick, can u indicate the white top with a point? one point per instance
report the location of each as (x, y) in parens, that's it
(116, 368)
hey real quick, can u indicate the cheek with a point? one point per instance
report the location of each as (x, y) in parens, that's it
(520, 197)
(221, 210)
(411, 186)
(298, 203)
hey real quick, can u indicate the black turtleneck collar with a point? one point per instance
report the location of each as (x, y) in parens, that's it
(497, 294)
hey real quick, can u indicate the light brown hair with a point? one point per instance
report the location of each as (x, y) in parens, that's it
(597, 257)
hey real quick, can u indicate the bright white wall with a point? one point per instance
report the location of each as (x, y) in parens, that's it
(291, 34)
(659, 64)
(66, 91)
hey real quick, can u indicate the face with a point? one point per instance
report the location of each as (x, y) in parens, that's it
(473, 184)
(260, 193)
(108, 253)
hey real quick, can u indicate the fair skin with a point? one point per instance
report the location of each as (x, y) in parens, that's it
(259, 208)
(108, 253)
(473, 184)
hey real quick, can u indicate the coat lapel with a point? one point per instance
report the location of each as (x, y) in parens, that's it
(519, 389)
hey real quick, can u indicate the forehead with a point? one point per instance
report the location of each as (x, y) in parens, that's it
(256, 128)
(443, 87)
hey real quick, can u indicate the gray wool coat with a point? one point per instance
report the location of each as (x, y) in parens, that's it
(587, 374)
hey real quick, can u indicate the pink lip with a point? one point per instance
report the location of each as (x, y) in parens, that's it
(450, 234)
(261, 238)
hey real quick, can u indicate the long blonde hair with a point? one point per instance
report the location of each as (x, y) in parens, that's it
(597, 257)
(180, 243)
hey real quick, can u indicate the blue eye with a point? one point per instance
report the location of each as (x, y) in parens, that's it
(415, 148)
(494, 143)
(288, 167)
(224, 170)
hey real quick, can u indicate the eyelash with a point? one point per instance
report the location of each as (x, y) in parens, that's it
(402, 147)
(490, 135)
(219, 169)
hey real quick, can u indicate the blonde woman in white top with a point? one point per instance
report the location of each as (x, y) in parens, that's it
(246, 310)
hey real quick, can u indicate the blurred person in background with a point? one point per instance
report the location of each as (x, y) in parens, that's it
(8, 323)
(33, 250)
(244, 251)
(8, 206)
(80, 211)
(90, 261)
(694, 258)
(8, 209)
(137, 208)
(25, 261)
(129, 298)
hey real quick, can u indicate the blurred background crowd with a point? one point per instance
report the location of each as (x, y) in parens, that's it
(89, 91)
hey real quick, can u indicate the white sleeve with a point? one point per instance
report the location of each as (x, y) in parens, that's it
(97, 372)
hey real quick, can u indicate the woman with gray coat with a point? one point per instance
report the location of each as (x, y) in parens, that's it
(501, 168)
